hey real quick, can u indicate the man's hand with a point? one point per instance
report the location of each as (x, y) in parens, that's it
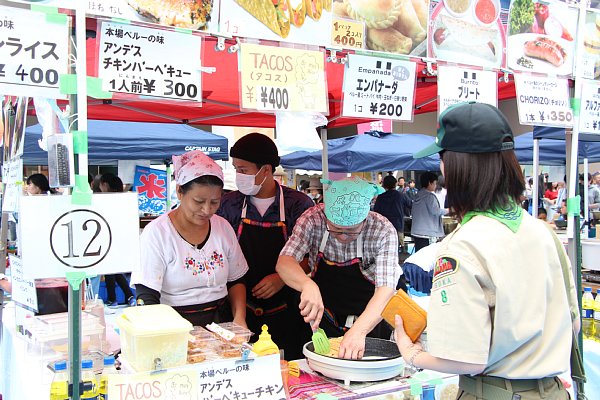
(353, 345)
(268, 286)
(311, 304)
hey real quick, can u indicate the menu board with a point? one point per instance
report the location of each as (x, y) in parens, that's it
(589, 117)
(296, 21)
(541, 37)
(589, 61)
(196, 15)
(467, 32)
(543, 100)
(398, 26)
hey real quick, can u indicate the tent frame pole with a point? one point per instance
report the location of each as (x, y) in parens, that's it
(535, 195)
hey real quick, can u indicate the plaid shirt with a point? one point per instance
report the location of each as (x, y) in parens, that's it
(380, 246)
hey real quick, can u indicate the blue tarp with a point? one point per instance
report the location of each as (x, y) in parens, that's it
(109, 141)
(372, 151)
(548, 132)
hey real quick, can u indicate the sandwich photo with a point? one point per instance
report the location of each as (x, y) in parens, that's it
(191, 14)
(275, 14)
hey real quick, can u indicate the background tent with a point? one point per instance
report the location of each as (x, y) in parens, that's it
(552, 152)
(109, 141)
(372, 151)
(548, 132)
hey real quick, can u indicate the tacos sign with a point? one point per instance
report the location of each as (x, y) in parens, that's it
(282, 79)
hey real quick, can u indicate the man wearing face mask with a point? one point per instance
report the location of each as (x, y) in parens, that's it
(263, 213)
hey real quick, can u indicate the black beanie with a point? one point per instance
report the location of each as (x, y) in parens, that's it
(256, 148)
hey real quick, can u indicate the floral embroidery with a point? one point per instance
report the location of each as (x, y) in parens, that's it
(207, 265)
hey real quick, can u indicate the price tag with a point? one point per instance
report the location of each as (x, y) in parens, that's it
(348, 34)
(587, 63)
(457, 85)
(282, 79)
(255, 379)
(32, 60)
(379, 88)
(100, 239)
(23, 289)
(12, 194)
(147, 61)
(589, 114)
(543, 101)
(272, 98)
(12, 171)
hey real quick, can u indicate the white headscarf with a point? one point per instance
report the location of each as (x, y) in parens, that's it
(194, 164)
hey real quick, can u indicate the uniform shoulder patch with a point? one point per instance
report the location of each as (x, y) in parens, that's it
(444, 266)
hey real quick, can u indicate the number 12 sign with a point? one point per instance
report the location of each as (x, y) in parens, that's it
(58, 237)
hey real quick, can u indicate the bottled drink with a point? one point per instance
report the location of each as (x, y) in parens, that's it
(109, 369)
(597, 316)
(88, 376)
(587, 317)
(59, 388)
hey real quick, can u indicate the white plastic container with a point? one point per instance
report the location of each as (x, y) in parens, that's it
(154, 336)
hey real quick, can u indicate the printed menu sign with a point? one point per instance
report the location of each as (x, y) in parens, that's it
(379, 87)
(392, 26)
(196, 15)
(348, 34)
(32, 60)
(23, 289)
(467, 32)
(282, 79)
(457, 85)
(145, 61)
(543, 101)
(541, 37)
(295, 21)
(589, 61)
(255, 379)
(589, 113)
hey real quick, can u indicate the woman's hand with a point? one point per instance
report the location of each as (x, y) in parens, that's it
(268, 286)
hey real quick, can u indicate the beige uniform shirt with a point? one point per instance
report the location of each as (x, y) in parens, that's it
(499, 299)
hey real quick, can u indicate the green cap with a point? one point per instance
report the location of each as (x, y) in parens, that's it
(348, 201)
(471, 128)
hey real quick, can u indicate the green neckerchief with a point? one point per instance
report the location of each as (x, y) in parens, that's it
(510, 217)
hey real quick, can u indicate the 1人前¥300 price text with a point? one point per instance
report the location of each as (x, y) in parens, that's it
(386, 109)
(273, 98)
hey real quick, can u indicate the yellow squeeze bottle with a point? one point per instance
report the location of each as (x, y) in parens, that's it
(264, 345)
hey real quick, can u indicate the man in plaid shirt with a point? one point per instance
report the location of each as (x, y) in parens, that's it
(353, 255)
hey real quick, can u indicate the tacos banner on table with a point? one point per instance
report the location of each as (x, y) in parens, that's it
(282, 79)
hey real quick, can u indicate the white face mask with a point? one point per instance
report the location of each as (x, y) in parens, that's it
(245, 183)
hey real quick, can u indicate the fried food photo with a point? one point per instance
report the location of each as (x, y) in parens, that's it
(191, 14)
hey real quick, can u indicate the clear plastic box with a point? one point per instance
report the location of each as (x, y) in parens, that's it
(153, 337)
(241, 334)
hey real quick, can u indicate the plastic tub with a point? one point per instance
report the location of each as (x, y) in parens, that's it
(153, 337)
(241, 334)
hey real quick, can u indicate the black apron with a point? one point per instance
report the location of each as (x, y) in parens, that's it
(207, 313)
(345, 292)
(261, 243)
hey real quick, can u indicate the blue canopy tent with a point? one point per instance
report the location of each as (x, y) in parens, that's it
(372, 151)
(109, 141)
(548, 132)
(552, 152)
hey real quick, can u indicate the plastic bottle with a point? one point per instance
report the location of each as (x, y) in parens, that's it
(59, 388)
(109, 369)
(87, 376)
(597, 316)
(587, 316)
(265, 345)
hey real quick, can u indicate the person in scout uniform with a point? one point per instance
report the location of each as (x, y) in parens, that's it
(263, 213)
(353, 254)
(499, 315)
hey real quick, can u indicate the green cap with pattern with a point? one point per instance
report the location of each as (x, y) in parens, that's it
(348, 201)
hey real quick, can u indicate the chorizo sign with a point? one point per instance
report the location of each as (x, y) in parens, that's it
(282, 79)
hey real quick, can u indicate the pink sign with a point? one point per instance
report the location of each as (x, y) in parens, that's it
(384, 125)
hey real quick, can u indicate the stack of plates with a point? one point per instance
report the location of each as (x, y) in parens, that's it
(382, 361)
